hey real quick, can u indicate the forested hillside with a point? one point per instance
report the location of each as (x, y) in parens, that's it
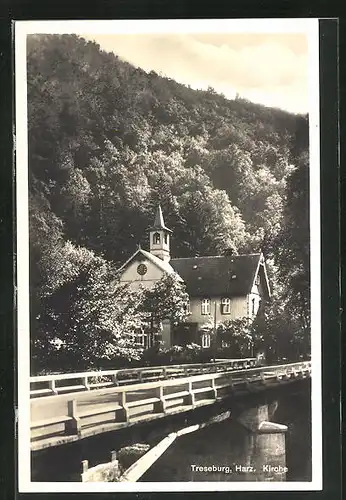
(108, 142)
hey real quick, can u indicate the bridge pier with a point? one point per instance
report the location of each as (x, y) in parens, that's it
(265, 445)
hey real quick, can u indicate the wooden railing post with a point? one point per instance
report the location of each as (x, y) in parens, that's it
(85, 382)
(85, 468)
(214, 388)
(124, 411)
(190, 398)
(52, 387)
(73, 426)
(160, 406)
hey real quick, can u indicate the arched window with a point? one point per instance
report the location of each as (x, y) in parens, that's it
(226, 305)
(166, 238)
(205, 306)
(156, 238)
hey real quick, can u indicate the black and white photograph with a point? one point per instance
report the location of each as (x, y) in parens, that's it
(168, 244)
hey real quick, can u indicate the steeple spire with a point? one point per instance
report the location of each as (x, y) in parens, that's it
(159, 223)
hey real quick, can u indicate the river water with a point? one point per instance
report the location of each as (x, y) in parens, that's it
(222, 445)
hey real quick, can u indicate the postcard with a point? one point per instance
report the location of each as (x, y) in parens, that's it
(168, 222)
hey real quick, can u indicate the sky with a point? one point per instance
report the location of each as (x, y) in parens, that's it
(270, 69)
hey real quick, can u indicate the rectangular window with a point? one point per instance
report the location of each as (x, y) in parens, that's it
(226, 305)
(206, 340)
(253, 307)
(188, 307)
(205, 306)
(139, 340)
(145, 340)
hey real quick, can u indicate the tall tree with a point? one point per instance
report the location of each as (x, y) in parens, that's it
(293, 251)
(211, 223)
(88, 319)
(166, 300)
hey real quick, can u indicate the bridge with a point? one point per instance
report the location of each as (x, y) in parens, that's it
(71, 407)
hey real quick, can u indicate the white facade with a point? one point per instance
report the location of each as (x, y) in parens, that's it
(132, 273)
(238, 309)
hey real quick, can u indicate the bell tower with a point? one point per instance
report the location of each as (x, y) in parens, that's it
(160, 237)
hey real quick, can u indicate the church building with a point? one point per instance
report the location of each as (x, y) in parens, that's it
(220, 288)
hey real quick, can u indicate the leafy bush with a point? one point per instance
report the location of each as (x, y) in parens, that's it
(130, 454)
(175, 355)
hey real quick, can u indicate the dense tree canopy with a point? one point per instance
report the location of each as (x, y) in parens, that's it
(108, 142)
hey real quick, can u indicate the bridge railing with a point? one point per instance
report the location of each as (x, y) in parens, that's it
(48, 385)
(148, 400)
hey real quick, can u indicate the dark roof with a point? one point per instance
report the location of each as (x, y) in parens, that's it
(212, 276)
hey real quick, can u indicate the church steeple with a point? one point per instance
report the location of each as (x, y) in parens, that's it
(159, 237)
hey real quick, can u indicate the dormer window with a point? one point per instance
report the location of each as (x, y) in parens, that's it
(205, 306)
(226, 305)
(156, 238)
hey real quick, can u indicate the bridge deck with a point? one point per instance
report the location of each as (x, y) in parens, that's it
(68, 417)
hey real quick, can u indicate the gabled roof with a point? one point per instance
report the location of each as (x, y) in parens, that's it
(159, 223)
(140, 254)
(216, 276)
